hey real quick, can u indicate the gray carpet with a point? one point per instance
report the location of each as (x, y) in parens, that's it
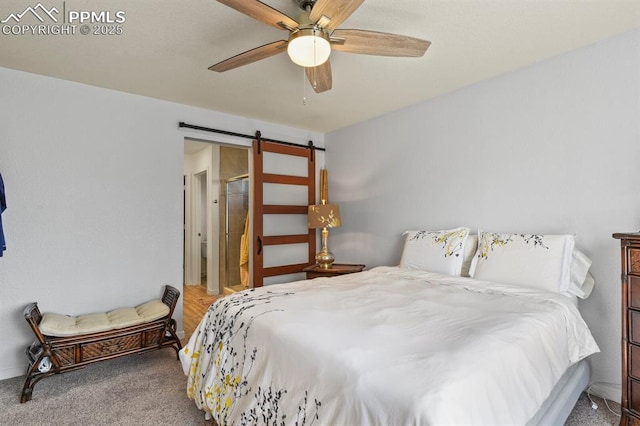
(147, 389)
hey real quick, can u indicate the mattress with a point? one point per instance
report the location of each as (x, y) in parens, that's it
(556, 408)
(386, 346)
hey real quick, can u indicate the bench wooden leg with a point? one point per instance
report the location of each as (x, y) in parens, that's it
(176, 345)
(27, 389)
(36, 355)
(33, 376)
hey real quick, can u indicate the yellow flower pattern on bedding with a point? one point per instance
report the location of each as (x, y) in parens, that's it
(450, 241)
(222, 364)
(489, 241)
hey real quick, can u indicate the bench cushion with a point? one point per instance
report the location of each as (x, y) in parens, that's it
(64, 325)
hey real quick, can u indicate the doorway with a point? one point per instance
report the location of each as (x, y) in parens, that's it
(201, 195)
(236, 233)
(234, 219)
(216, 209)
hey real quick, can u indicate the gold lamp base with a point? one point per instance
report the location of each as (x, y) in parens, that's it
(324, 258)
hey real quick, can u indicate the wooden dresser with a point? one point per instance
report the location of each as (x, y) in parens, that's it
(630, 257)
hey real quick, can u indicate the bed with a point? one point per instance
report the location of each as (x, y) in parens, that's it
(392, 345)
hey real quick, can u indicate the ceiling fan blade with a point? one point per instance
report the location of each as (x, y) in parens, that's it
(250, 56)
(380, 44)
(320, 77)
(336, 10)
(261, 12)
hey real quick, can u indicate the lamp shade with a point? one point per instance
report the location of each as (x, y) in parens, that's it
(309, 47)
(324, 216)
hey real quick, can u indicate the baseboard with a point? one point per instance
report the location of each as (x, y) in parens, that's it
(610, 391)
(8, 373)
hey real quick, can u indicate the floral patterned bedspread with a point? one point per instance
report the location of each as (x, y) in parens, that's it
(386, 346)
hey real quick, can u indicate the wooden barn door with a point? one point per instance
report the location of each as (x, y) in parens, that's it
(284, 187)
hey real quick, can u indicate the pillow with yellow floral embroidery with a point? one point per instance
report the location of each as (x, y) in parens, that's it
(531, 260)
(434, 251)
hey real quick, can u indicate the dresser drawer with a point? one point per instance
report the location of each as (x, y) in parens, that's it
(634, 395)
(634, 327)
(634, 361)
(634, 261)
(634, 292)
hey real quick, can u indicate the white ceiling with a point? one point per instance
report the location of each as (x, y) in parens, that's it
(167, 46)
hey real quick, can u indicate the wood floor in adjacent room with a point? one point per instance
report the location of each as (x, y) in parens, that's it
(195, 304)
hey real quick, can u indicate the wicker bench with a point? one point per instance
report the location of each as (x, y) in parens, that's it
(79, 341)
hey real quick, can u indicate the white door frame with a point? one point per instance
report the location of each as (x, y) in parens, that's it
(188, 234)
(196, 228)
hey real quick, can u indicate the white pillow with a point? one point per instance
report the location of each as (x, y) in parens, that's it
(582, 281)
(537, 261)
(470, 247)
(435, 251)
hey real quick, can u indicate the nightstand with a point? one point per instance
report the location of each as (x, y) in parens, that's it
(315, 271)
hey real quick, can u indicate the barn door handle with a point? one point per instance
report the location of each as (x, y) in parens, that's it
(259, 246)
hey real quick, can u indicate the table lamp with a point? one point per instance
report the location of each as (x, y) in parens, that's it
(324, 216)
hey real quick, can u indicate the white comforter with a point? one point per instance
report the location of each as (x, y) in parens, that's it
(386, 347)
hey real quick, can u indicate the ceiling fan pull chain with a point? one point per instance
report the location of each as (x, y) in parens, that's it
(315, 63)
(315, 53)
(304, 89)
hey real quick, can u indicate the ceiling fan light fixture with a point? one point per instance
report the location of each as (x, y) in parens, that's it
(309, 47)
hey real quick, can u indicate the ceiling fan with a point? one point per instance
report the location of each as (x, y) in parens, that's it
(312, 36)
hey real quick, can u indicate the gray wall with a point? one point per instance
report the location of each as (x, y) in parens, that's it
(93, 181)
(553, 148)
